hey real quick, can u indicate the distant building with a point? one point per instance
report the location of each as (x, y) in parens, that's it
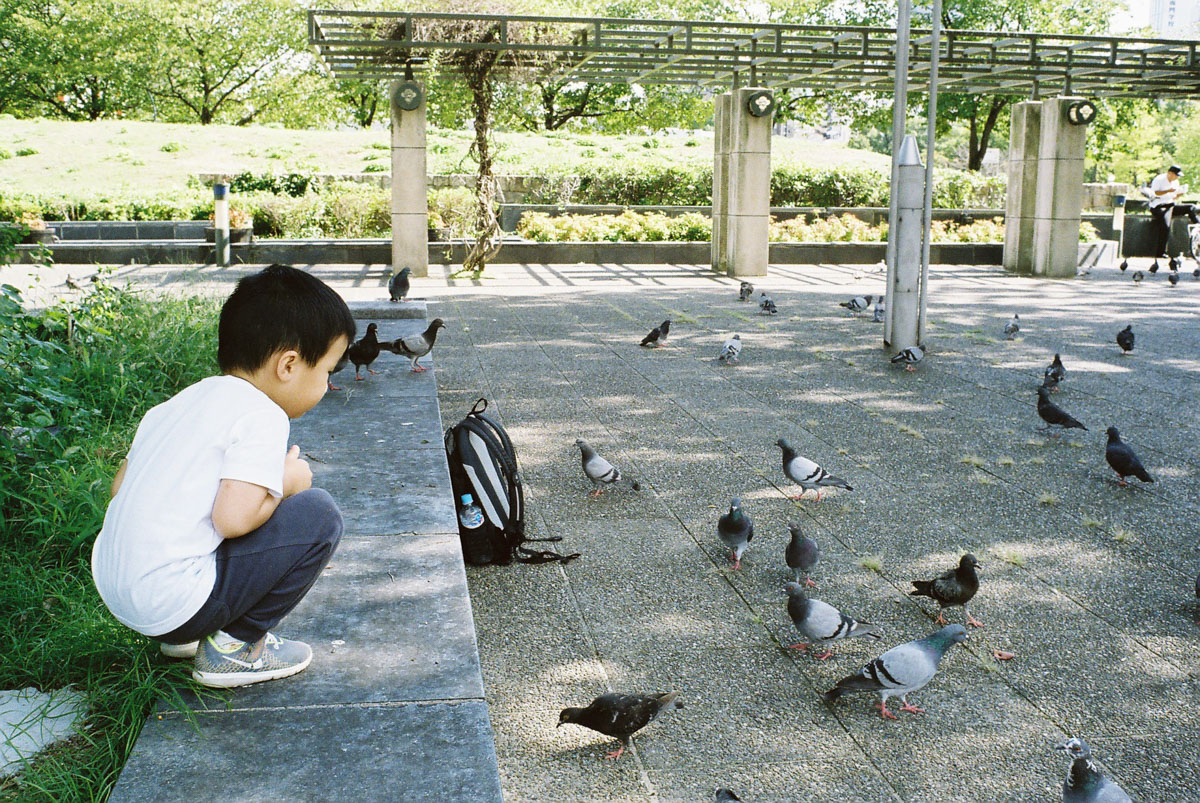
(1175, 17)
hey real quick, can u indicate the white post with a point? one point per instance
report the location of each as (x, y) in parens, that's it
(410, 205)
(904, 278)
(221, 223)
(899, 114)
(935, 53)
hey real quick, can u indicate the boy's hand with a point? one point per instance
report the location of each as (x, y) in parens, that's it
(297, 476)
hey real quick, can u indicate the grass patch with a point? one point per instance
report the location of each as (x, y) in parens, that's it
(983, 478)
(1005, 461)
(973, 460)
(1123, 536)
(1091, 522)
(88, 370)
(872, 563)
(679, 316)
(1046, 498)
(1037, 461)
(1010, 556)
(912, 433)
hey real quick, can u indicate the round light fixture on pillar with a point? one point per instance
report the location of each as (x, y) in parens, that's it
(760, 103)
(1081, 112)
(407, 95)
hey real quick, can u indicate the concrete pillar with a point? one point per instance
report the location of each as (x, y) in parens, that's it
(748, 198)
(1020, 207)
(720, 188)
(904, 279)
(410, 204)
(1059, 191)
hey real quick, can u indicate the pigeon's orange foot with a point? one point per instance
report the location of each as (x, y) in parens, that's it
(369, 371)
(359, 378)
(912, 709)
(884, 713)
(1122, 483)
(333, 386)
(941, 620)
(596, 493)
(803, 646)
(1004, 655)
(909, 368)
(808, 581)
(418, 369)
(616, 753)
(973, 622)
(737, 565)
(822, 656)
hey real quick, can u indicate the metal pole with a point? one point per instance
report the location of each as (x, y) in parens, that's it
(899, 113)
(221, 223)
(935, 53)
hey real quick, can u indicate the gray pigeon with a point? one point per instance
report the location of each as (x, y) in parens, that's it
(399, 285)
(880, 309)
(417, 346)
(745, 291)
(766, 305)
(820, 622)
(1055, 372)
(901, 670)
(1123, 460)
(731, 349)
(802, 554)
(910, 357)
(1085, 781)
(736, 529)
(1053, 415)
(857, 304)
(807, 474)
(598, 470)
(1012, 327)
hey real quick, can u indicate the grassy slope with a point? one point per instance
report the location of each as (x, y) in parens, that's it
(118, 157)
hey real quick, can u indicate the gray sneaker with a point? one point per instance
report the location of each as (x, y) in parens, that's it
(179, 650)
(240, 663)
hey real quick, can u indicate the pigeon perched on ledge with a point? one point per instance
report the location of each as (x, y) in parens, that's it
(399, 285)
(1085, 781)
(807, 474)
(901, 670)
(952, 589)
(820, 622)
(417, 346)
(364, 351)
(620, 715)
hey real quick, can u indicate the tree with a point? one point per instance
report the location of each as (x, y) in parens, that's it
(221, 60)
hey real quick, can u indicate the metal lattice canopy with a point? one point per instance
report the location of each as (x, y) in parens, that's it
(372, 45)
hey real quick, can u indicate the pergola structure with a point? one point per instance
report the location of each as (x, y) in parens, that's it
(743, 64)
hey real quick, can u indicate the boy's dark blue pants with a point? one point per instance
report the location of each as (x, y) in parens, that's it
(265, 573)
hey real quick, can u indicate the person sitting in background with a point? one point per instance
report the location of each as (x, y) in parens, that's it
(1164, 203)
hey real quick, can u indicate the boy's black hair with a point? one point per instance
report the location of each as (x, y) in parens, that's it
(280, 308)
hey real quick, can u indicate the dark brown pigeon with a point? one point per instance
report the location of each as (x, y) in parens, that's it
(363, 352)
(620, 715)
(1053, 415)
(1123, 460)
(952, 589)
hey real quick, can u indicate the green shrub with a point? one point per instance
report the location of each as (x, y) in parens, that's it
(171, 147)
(293, 184)
(452, 208)
(5, 154)
(26, 151)
(377, 167)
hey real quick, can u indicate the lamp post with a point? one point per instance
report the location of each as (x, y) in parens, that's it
(221, 223)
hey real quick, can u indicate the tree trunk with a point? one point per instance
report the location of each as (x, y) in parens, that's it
(981, 138)
(487, 226)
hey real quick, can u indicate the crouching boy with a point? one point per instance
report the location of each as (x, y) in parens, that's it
(214, 532)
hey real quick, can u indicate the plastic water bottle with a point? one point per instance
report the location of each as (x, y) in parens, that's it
(469, 514)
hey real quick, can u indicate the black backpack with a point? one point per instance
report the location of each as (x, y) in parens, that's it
(483, 464)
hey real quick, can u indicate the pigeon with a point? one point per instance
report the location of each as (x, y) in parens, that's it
(1123, 460)
(1195, 274)
(807, 474)
(880, 309)
(1055, 373)
(1173, 278)
(1124, 265)
(341, 364)
(736, 529)
(1085, 781)
(620, 715)
(417, 346)
(1125, 339)
(766, 305)
(731, 349)
(901, 670)
(821, 622)
(1154, 267)
(363, 352)
(598, 470)
(745, 291)
(857, 304)
(952, 588)
(1173, 264)
(1053, 415)
(658, 335)
(802, 554)
(1138, 276)
(1012, 327)
(399, 285)
(725, 796)
(910, 357)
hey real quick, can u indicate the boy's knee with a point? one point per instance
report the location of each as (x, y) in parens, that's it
(320, 509)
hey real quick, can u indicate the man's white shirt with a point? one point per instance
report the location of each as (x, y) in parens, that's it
(1162, 182)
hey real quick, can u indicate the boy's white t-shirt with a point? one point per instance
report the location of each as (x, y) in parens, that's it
(1162, 182)
(154, 561)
